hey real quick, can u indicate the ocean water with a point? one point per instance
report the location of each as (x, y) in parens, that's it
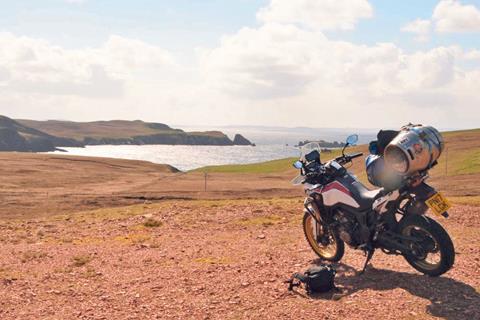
(189, 157)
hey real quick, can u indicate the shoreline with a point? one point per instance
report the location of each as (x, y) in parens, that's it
(187, 158)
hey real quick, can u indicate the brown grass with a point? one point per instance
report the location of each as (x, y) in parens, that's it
(152, 223)
(81, 260)
(96, 129)
(35, 185)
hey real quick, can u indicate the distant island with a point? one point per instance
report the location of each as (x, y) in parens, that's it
(43, 136)
(323, 144)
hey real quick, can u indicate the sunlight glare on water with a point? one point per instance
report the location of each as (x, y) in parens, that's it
(188, 157)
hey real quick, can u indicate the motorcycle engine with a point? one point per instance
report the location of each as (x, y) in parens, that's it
(349, 230)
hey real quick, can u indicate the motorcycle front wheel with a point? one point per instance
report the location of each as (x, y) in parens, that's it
(433, 253)
(325, 243)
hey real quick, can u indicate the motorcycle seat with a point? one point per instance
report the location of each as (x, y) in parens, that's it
(364, 196)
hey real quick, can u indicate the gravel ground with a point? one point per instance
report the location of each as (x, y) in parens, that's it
(215, 260)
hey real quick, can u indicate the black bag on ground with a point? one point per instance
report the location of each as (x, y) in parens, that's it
(317, 279)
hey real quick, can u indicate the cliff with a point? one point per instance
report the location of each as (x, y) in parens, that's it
(240, 140)
(177, 138)
(53, 133)
(16, 137)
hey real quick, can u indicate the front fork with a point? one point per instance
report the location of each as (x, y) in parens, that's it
(312, 209)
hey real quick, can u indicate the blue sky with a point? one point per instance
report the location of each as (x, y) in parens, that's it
(391, 15)
(172, 24)
(181, 24)
(253, 71)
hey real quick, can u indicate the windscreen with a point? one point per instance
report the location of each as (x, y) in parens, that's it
(308, 148)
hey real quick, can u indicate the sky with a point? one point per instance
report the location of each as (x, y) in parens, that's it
(302, 63)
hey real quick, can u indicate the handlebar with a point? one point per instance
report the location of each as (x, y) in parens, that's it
(348, 157)
(355, 155)
(316, 169)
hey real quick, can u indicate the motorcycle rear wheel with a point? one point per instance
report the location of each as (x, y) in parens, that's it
(437, 245)
(331, 251)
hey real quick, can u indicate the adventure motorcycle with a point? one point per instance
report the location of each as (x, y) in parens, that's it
(339, 209)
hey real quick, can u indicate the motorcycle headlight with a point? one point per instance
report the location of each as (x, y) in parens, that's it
(397, 160)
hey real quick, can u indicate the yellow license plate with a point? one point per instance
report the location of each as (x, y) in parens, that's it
(438, 203)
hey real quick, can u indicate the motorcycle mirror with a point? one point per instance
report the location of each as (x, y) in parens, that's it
(352, 139)
(298, 164)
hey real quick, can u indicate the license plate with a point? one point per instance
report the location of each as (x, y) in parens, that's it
(438, 203)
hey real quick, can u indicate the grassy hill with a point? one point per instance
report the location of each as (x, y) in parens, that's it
(457, 173)
(98, 129)
(127, 132)
(461, 156)
(15, 136)
(274, 166)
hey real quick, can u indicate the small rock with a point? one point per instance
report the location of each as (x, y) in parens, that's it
(261, 236)
(245, 284)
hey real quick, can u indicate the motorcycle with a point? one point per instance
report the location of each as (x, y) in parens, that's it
(339, 209)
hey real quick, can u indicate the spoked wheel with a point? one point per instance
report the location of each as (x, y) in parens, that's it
(432, 252)
(326, 244)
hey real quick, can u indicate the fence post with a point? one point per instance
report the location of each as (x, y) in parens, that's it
(206, 174)
(446, 162)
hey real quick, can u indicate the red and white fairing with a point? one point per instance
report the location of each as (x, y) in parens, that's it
(335, 193)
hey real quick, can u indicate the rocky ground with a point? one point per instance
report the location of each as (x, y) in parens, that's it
(214, 260)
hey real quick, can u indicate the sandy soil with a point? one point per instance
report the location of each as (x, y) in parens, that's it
(214, 260)
(197, 259)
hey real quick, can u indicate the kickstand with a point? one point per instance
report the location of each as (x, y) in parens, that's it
(370, 253)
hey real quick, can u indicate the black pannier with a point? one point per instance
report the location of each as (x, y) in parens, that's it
(317, 279)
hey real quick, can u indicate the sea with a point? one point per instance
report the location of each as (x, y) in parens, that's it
(188, 157)
(272, 143)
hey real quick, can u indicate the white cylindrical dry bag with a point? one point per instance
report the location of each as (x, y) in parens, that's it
(414, 149)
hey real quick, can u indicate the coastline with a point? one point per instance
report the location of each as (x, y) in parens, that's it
(187, 158)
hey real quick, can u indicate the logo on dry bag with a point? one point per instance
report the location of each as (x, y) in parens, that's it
(417, 147)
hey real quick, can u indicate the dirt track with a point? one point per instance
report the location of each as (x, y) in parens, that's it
(214, 260)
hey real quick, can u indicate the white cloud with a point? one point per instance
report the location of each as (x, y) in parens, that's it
(129, 56)
(37, 66)
(453, 16)
(431, 69)
(448, 16)
(278, 66)
(279, 73)
(420, 27)
(317, 14)
(272, 61)
(276, 61)
(472, 55)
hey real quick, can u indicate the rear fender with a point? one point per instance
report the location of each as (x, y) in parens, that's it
(420, 194)
(423, 191)
(408, 217)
